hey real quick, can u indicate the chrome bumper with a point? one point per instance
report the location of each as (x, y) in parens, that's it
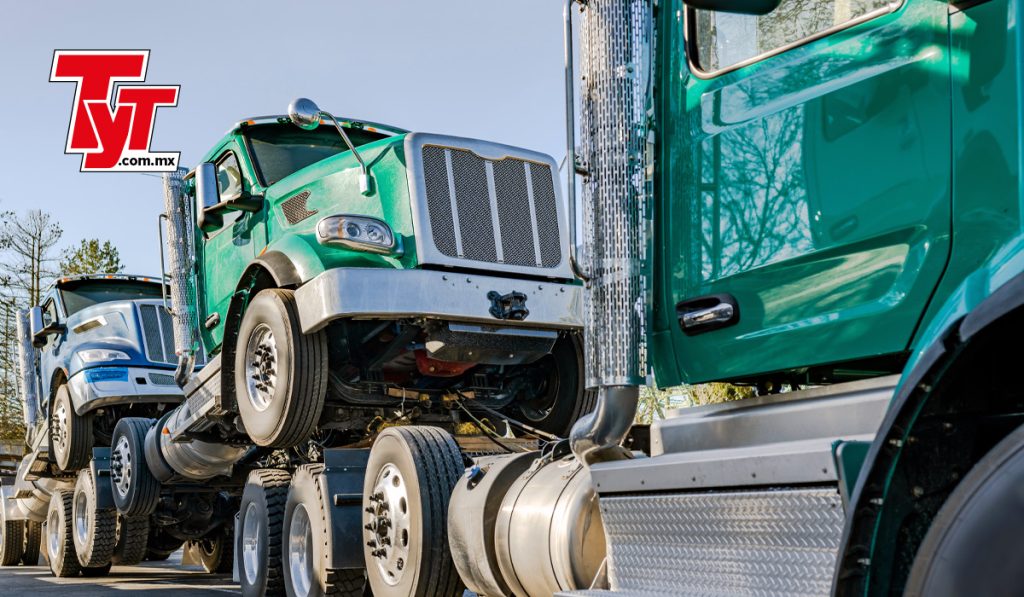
(391, 294)
(87, 396)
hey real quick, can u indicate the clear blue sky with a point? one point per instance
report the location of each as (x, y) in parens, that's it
(476, 68)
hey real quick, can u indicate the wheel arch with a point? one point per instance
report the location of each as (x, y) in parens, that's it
(57, 378)
(955, 402)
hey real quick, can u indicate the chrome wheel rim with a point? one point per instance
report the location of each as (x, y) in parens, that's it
(60, 427)
(121, 466)
(251, 544)
(261, 367)
(52, 534)
(81, 512)
(387, 526)
(300, 551)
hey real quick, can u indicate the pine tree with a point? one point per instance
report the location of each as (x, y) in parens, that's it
(91, 257)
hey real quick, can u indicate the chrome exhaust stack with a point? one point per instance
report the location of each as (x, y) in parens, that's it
(615, 47)
(28, 381)
(180, 248)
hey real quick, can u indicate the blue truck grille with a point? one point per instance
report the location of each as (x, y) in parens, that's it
(493, 211)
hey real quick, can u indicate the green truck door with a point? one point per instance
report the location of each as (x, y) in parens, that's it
(805, 172)
(226, 251)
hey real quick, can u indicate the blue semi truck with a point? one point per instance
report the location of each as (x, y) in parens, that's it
(97, 350)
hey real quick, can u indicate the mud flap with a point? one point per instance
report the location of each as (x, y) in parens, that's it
(342, 483)
(100, 465)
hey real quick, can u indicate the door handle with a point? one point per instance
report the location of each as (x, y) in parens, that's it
(707, 313)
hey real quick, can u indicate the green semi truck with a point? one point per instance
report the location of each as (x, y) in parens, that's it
(820, 200)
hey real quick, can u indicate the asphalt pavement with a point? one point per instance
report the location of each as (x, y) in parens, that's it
(155, 579)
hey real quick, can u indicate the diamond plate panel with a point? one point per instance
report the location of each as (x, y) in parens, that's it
(779, 542)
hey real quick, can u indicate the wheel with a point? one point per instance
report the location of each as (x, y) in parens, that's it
(33, 539)
(557, 398)
(136, 491)
(132, 540)
(160, 545)
(60, 546)
(306, 515)
(280, 373)
(96, 571)
(973, 544)
(12, 539)
(213, 553)
(95, 528)
(70, 434)
(258, 547)
(409, 479)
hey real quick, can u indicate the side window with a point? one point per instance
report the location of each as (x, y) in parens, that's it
(229, 177)
(723, 39)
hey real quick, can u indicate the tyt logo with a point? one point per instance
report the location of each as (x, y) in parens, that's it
(112, 126)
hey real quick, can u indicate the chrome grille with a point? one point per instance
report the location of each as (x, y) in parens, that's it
(158, 334)
(483, 204)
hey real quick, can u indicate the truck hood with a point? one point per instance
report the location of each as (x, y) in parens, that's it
(140, 329)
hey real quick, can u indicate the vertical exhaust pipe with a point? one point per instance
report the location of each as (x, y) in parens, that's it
(180, 248)
(615, 53)
(27, 378)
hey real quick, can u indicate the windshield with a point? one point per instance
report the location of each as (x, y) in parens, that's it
(79, 295)
(280, 149)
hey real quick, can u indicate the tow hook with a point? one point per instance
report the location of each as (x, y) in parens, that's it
(508, 306)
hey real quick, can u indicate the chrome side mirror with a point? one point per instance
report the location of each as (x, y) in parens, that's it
(304, 113)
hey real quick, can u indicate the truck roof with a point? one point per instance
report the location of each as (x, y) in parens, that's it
(373, 127)
(64, 280)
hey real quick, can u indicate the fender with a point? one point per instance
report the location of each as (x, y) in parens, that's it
(947, 339)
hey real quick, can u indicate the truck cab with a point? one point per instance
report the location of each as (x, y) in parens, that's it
(104, 350)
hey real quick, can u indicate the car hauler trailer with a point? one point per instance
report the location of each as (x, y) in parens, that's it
(820, 200)
(97, 352)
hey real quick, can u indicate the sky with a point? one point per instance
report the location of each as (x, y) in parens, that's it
(476, 68)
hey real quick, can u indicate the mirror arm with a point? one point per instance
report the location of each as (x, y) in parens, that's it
(364, 179)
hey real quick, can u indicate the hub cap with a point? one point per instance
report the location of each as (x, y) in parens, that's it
(261, 367)
(121, 466)
(251, 544)
(82, 518)
(60, 428)
(53, 534)
(300, 551)
(387, 524)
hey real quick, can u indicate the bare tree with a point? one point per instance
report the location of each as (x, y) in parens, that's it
(27, 244)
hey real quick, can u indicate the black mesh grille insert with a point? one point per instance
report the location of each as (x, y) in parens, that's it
(294, 208)
(544, 200)
(472, 224)
(439, 202)
(151, 334)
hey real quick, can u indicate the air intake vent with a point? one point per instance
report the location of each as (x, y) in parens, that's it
(295, 208)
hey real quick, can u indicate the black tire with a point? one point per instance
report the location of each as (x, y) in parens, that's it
(262, 507)
(132, 540)
(95, 529)
(60, 545)
(283, 411)
(96, 571)
(427, 464)
(12, 539)
(213, 553)
(973, 546)
(563, 399)
(33, 540)
(306, 518)
(70, 434)
(136, 491)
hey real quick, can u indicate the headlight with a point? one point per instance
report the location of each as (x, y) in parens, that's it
(99, 355)
(361, 233)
